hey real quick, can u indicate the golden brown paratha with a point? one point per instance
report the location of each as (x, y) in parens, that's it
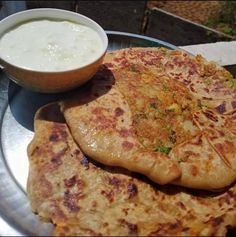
(143, 106)
(81, 198)
(104, 131)
(214, 85)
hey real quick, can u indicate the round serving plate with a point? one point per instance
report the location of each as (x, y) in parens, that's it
(17, 109)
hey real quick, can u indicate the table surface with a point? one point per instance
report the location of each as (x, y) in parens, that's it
(223, 53)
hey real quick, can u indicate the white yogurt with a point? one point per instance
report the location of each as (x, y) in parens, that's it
(47, 45)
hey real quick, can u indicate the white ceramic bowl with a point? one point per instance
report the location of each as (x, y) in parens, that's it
(51, 82)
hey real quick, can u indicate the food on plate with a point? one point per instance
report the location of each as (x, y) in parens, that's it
(161, 113)
(103, 128)
(50, 45)
(208, 81)
(82, 197)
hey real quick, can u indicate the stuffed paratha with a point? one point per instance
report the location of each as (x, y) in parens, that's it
(104, 130)
(139, 111)
(214, 85)
(81, 198)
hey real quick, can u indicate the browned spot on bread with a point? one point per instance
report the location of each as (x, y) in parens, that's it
(221, 108)
(125, 210)
(132, 228)
(85, 162)
(56, 158)
(185, 229)
(104, 225)
(233, 103)
(215, 221)
(104, 122)
(70, 201)
(125, 132)
(132, 190)
(210, 115)
(58, 133)
(80, 184)
(206, 98)
(46, 187)
(222, 147)
(192, 88)
(69, 183)
(194, 170)
(98, 110)
(127, 145)
(181, 205)
(197, 141)
(187, 154)
(229, 145)
(114, 181)
(170, 228)
(56, 161)
(175, 225)
(77, 152)
(186, 82)
(53, 137)
(108, 194)
(63, 134)
(57, 212)
(94, 204)
(35, 152)
(119, 111)
(221, 133)
(189, 214)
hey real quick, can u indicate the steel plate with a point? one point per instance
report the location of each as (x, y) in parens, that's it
(17, 109)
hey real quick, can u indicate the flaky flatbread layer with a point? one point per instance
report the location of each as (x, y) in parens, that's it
(153, 111)
(83, 198)
(103, 129)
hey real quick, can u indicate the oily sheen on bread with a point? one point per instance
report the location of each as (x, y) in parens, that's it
(84, 198)
(103, 129)
(156, 112)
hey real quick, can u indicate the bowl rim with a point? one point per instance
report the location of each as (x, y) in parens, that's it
(104, 38)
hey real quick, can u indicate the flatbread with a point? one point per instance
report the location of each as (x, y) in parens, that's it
(214, 85)
(220, 134)
(103, 129)
(142, 113)
(82, 198)
(202, 166)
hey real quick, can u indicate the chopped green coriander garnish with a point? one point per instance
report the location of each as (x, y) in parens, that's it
(165, 150)
(231, 83)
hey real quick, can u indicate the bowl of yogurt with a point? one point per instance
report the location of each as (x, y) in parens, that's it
(51, 50)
